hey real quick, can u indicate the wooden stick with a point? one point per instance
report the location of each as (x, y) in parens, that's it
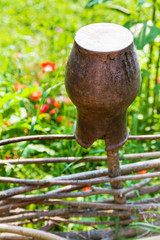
(29, 232)
(93, 223)
(108, 234)
(25, 215)
(142, 191)
(53, 182)
(11, 236)
(144, 137)
(95, 191)
(36, 214)
(14, 191)
(58, 136)
(35, 137)
(78, 159)
(114, 171)
(59, 190)
(125, 169)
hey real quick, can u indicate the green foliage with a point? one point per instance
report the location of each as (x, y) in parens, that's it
(144, 32)
(92, 3)
(141, 2)
(145, 226)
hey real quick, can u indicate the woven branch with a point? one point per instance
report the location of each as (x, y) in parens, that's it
(29, 232)
(125, 169)
(101, 233)
(11, 236)
(94, 223)
(53, 182)
(12, 203)
(128, 168)
(24, 215)
(35, 137)
(59, 190)
(76, 207)
(54, 136)
(18, 190)
(55, 194)
(78, 159)
(106, 234)
(9, 207)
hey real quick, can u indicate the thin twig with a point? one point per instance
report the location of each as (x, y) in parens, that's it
(59, 190)
(144, 137)
(84, 205)
(95, 191)
(35, 137)
(58, 136)
(53, 182)
(108, 234)
(93, 223)
(29, 232)
(36, 214)
(133, 156)
(17, 190)
(11, 236)
(125, 169)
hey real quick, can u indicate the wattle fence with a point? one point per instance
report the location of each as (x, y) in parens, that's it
(15, 217)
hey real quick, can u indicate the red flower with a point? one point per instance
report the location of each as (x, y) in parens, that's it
(158, 80)
(44, 108)
(52, 111)
(36, 95)
(7, 157)
(142, 172)
(60, 118)
(18, 86)
(86, 189)
(56, 104)
(48, 66)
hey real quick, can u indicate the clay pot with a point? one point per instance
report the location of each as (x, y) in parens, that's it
(102, 80)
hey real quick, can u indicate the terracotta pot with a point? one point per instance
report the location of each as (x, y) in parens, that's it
(102, 80)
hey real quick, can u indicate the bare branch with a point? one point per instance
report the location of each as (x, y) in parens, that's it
(93, 223)
(14, 191)
(29, 232)
(58, 195)
(54, 136)
(78, 159)
(36, 214)
(125, 169)
(142, 191)
(59, 190)
(144, 137)
(105, 206)
(10, 236)
(53, 182)
(107, 234)
(35, 137)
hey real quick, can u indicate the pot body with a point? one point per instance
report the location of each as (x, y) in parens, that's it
(102, 85)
